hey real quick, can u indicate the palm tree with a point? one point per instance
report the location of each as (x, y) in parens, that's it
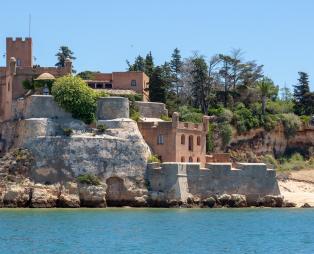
(267, 89)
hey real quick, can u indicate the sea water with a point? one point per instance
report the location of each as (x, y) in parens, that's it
(156, 231)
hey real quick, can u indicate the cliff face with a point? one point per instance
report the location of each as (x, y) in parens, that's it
(260, 141)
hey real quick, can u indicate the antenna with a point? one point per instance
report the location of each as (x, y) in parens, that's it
(29, 25)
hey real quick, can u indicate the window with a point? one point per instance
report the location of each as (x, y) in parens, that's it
(108, 86)
(198, 140)
(191, 143)
(198, 159)
(182, 139)
(160, 140)
(99, 86)
(18, 62)
(190, 159)
(133, 82)
(182, 159)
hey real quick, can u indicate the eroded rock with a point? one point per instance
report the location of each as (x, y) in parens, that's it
(92, 196)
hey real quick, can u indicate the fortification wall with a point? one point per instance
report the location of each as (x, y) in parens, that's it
(179, 180)
(151, 109)
(112, 107)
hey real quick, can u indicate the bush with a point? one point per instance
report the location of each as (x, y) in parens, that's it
(210, 138)
(165, 118)
(28, 84)
(189, 114)
(291, 124)
(279, 107)
(75, 96)
(225, 131)
(244, 120)
(101, 128)
(306, 119)
(67, 132)
(269, 122)
(153, 158)
(88, 179)
(268, 159)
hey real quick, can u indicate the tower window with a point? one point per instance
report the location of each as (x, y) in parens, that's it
(18, 62)
(133, 82)
(198, 140)
(182, 139)
(160, 140)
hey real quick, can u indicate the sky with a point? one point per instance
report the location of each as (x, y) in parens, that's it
(105, 33)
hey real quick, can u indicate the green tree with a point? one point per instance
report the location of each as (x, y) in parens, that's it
(176, 65)
(63, 54)
(302, 96)
(158, 85)
(86, 75)
(267, 89)
(138, 65)
(149, 64)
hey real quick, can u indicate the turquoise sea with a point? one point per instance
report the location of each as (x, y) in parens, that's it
(156, 231)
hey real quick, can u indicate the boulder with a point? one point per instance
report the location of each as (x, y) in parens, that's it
(69, 197)
(224, 199)
(289, 204)
(16, 195)
(92, 196)
(271, 201)
(306, 205)
(44, 196)
(237, 200)
(209, 202)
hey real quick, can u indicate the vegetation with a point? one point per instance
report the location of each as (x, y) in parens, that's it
(153, 158)
(67, 132)
(101, 128)
(89, 179)
(75, 96)
(291, 124)
(63, 54)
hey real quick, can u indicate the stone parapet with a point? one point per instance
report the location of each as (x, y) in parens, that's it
(112, 107)
(151, 109)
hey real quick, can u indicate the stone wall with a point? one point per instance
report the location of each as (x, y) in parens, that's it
(112, 107)
(151, 109)
(178, 181)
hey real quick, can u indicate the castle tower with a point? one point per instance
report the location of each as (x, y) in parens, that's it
(21, 50)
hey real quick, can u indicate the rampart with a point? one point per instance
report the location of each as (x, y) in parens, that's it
(178, 181)
(151, 109)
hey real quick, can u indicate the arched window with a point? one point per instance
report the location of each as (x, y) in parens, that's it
(190, 143)
(198, 159)
(182, 159)
(190, 159)
(198, 140)
(182, 139)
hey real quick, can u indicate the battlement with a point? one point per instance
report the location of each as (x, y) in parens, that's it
(18, 39)
(215, 178)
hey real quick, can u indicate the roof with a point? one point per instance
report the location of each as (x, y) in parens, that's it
(45, 76)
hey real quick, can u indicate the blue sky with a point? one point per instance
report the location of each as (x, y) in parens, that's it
(104, 33)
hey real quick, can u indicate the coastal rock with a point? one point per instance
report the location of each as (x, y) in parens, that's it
(224, 199)
(306, 205)
(44, 196)
(92, 196)
(69, 197)
(17, 195)
(237, 200)
(209, 202)
(271, 201)
(289, 204)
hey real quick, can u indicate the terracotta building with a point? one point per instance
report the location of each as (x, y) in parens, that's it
(19, 67)
(131, 80)
(176, 141)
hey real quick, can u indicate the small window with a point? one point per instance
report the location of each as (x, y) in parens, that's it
(108, 86)
(182, 139)
(182, 159)
(190, 159)
(198, 140)
(99, 86)
(18, 62)
(160, 139)
(191, 143)
(133, 83)
(198, 159)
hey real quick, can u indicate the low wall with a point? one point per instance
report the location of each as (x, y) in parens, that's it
(178, 180)
(151, 109)
(112, 107)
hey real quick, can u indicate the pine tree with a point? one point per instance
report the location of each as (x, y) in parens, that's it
(149, 64)
(158, 86)
(63, 54)
(301, 93)
(176, 65)
(138, 65)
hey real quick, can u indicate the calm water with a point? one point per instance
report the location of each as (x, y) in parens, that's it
(157, 231)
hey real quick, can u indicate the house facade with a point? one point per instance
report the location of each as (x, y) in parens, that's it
(176, 141)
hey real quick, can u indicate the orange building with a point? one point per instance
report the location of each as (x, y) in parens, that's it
(131, 80)
(176, 141)
(19, 67)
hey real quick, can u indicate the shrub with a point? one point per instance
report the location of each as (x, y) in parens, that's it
(75, 96)
(189, 114)
(244, 120)
(210, 138)
(101, 94)
(305, 119)
(28, 84)
(67, 132)
(269, 122)
(268, 159)
(153, 158)
(225, 131)
(291, 124)
(279, 107)
(165, 118)
(101, 128)
(89, 179)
